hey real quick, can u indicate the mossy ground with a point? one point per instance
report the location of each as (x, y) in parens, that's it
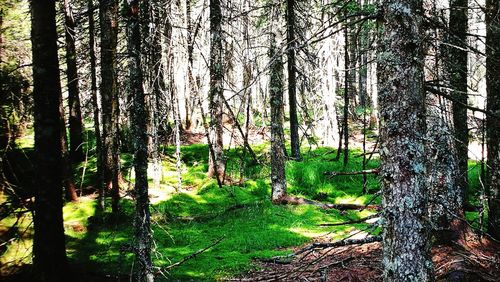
(184, 222)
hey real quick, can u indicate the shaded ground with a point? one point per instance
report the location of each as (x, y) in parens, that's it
(478, 260)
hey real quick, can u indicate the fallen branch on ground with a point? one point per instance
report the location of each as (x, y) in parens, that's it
(313, 246)
(193, 254)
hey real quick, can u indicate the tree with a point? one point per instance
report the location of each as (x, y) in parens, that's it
(95, 107)
(216, 159)
(292, 79)
(492, 122)
(143, 234)
(75, 113)
(406, 255)
(457, 71)
(278, 180)
(108, 18)
(49, 254)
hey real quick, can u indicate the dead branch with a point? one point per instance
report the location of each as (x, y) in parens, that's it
(351, 221)
(368, 171)
(341, 207)
(314, 246)
(194, 254)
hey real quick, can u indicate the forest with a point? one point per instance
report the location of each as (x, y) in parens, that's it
(239, 140)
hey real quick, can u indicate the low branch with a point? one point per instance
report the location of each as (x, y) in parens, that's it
(361, 220)
(368, 171)
(341, 207)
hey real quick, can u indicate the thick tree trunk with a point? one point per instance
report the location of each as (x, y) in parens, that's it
(75, 113)
(143, 234)
(492, 123)
(406, 244)
(278, 180)
(95, 107)
(49, 254)
(457, 71)
(292, 79)
(216, 92)
(108, 18)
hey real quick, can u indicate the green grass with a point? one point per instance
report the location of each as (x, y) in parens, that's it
(251, 227)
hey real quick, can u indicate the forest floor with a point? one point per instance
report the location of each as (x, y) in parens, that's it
(235, 227)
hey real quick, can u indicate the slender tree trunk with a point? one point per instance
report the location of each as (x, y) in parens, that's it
(446, 207)
(143, 235)
(93, 90)
(75, 113)
(345, 125)
(457, 71)
(492, 123)
(108, 18)
(49, 254)
(406, 244)
(278, 180)
(292, 79)
(67, 168)
(216, 91)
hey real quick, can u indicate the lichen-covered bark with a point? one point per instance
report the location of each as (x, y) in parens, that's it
(216, 91)
(49, 255)
(143, 236)
(292, 79)
(75, 113)
(278, 180)
(456, 64)
(108, 19)
(445, 194)
(402, 133)
(493, 105)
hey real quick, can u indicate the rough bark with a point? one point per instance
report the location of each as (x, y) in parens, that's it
(278, 180)
(108, 19)
(49, 254)
(216, 163)
(457, 71)
(292, 79)
(406, 248)
(446, 208)
(75, 113)
(143, 234)
(493, 123)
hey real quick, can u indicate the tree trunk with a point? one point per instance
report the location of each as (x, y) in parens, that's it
(406, 244)
(143, 234)
(278, 180)
(457, 71)
(49, 254)
(292, 79)
(492, 123)
(108, 18)
(75, 113)
(216, 91)
(93, 89)
(345, 125)
(446, 205)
